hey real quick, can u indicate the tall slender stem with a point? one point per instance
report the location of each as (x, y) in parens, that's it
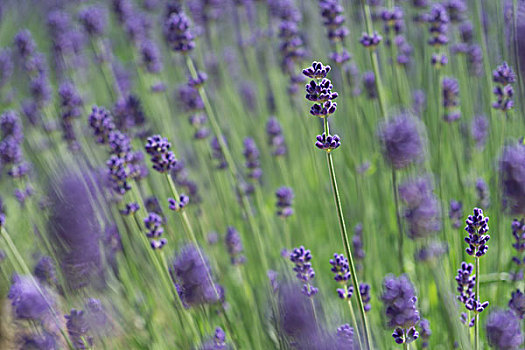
(476, 316)
(346, 241)
(399, 225)
(354, 322)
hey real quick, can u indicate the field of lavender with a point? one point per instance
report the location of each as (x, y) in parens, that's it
(262, 174)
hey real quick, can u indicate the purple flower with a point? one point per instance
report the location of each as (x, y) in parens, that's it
(369, 83)
(45, 271)
(450, 92)
(296, 318)
(424, 325)
(479, 130)
(401, 140)
(317, 71)
(177, 32)
(370, 41)
(275, 137)
(128, 112)
(217, 153)
(345, 336)
(189, 98)
(303, 268)
(30, 299)
(284, 204)
(517, 303)
(341, 270)
(162, 158)
(191, 273)
(198, 121)
(118, 174)
(234, 246)
(483, 193)
(466, 282)
(130, 209)
(180, 204)
(153, 224)
(101, 121)
(218, 342)
(456, 213)
(504, 76)
(518, 233)
(24, 44)
(251, 155)
(456, 10)
(504, 330)
(438, 20)
(327, 143)
(70, 108)
(75, 231)
(357, 242)
(78, 329)
(319, 90)
(400, 307)
(11, 126)
(94, 20)
(150, 56)
(512, 175)
(477, 227)
(333, 19)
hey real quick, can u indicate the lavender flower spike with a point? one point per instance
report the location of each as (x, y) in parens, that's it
(503, 330)
(477, 227)
(401, 311)
(304, 272)
(402, 141)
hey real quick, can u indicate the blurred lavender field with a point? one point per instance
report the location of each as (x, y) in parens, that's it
(262, 174)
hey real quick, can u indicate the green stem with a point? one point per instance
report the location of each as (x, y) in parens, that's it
(406, 346)
(346, 241)
(476, 316)
(398, 219)
(354, 322)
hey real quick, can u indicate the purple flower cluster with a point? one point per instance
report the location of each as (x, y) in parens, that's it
(162, 158)
(303, 268)
(93, 20)
(180, 204)
(477, 227)
(438, 21)
(357, 243)
(456, 213)
(153, 224)
(401, 140)
(11, 138)
(234, 246)
(291, 44)
(450, 92)
(177, 32)
(517, 303)
(71, 108)
(319, 90)
(128, 112)
(369, 83)
(401, 311)
(518, 233)
(482, 191)
(504, 330)
(217, 153)
(512, 175)
(466, 282)
(275, 137)
(425, 332)
(345, 336)
(327, 143)
(422, 211)
(504, 76)
(191, 274)
(130, 209)
(251, 155)
(333, 20)
(101, 121)
(479, 130)
(78, 329)
(370, 41)
(284, 204)
(30, 300)
(341, 270)
(218, 342)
